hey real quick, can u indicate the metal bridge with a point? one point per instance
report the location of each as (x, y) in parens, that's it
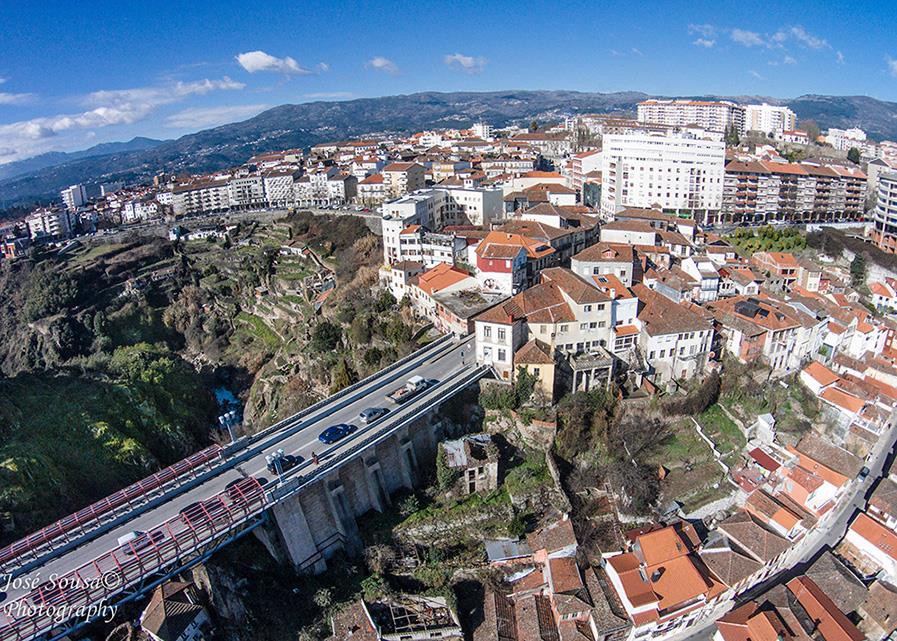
(181, 515)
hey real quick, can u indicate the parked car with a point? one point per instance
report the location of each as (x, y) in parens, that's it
(287, 462)
(204, 511)
(136, 541)
(371, 414)
(238, 489)
(336, 432)
(864, 473)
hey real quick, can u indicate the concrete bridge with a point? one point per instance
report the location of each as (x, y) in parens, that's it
(182, 515)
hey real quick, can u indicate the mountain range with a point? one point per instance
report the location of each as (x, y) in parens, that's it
(302, 125)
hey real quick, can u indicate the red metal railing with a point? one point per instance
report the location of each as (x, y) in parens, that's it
(91, 515)
(54, 602)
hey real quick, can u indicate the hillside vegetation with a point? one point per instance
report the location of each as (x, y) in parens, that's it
(109, 354)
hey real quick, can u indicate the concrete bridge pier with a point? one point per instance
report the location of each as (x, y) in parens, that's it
(342, 515)
(376, 484)
(289, 537)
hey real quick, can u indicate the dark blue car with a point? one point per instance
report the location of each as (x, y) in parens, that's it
(335, 432)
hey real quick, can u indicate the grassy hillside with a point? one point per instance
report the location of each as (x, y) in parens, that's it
(68, 440)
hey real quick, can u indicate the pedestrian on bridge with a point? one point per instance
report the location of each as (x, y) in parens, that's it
(314, 458)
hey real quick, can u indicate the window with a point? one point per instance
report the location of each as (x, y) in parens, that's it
(587, 308)
(501, 334)
(535, 371)
(602, 323)
(593, 325)
(651, 355)
(583, 326)
(501, 355)
(487, 331)
(563, 329)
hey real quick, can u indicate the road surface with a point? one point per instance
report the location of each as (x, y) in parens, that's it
(300, 438)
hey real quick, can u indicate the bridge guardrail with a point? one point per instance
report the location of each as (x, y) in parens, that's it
(52, 603)
(219, 453)
(166, 544)
(346, 390)
(93, 513)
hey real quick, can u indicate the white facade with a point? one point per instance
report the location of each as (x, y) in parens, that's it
(769, 119)
(74, 197)
(279, 188)
(202, 197)
(246, 192)
(844, 139)
(679, 173)
(713, 116)
(54, 223)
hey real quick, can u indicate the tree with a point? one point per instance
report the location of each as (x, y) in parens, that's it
(732, 139)
(342, 376)
(858, 270)
(323, 598)
(325, 337)
(854, 155)
(534, 126)
(811, 127)
(445, 476)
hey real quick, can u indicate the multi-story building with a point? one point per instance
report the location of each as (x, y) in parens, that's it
(602, 258)
(710, 115)
(563, 311)
(278, 185)
(678, 173)
(675, 338)
(246, 192)
(401, 178)
(845, 139)
(582, 164)
(769, 119)
(434, 209)
(758, 191)
(74, 197)
(372, 190)
(201, 196)
(50, 224)
(884, 216)
(418, 244)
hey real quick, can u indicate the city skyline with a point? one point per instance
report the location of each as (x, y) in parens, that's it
(165, 72)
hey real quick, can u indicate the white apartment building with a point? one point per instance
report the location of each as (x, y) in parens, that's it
(51, 223)
(372, 190)
(278, 184)
(769, 119)
(246, 192)
(710, 115)
(401, 178)
(74, 197)
(482, 130)
(582, 164)
(136, 210)
(417, 244)
(844, 139)
(679, 173)
(200, 197)
(325, 186)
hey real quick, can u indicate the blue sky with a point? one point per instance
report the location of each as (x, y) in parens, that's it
(78, 73)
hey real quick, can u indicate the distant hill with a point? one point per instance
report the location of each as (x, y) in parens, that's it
(54, 158)
(306, 124)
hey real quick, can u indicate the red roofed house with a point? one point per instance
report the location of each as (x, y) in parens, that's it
(782, 266)
(872, 546)
(506, 262)
(570, 316)
(660, 581)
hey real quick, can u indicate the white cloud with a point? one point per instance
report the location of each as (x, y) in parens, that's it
(747, 38)
(704, 42)
(255, 61)
(15, 98)
(839, 57)
(615, 53)
(323, 67)
(802, 36)
(706, 30)
(755, 74)
(637, 52)
(198, 117)
(104, 109)
(380, 63)
(329, 95)
(469, 64)
(788, 60)
(892, 65)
